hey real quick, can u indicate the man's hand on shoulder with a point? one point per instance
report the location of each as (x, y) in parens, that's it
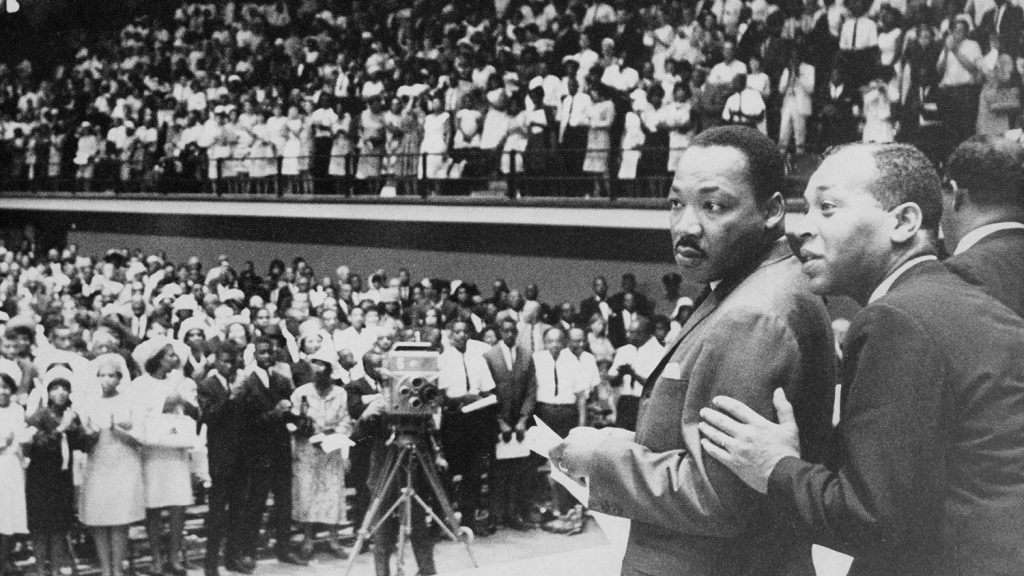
(746, 442)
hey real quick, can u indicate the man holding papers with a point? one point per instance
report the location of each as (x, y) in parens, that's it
(756, 327)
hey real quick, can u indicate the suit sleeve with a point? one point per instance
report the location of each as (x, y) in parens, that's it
(746, 355)
(213, 407)
(530, 400)
(890, 476)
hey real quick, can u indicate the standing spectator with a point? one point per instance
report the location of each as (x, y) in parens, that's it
(323, 121)
(266, 409)
(840, 107)
(680, 121)
(796, 85)
(86, 153)
(878, 118)
(858, 45)
(49, 489)
(292, 151)
(630, 369)
(654, 164)
(515, 385)
(999, 104)
(959, 67)
(436, 137)
(561, 404)
(495, 129)
(112, 494)
(1005, 21)
(599, 121)
(572, 135)
(340, 168)
(541, 137)
(319, 477)
(220, 406)
(371, 146)
(467, 438)
(890, 40)
(633, 137)
(406, 153)
(14, 520)
(163, 389)
(745, 106)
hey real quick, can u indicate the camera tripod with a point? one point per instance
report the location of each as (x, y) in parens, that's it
(403, 458)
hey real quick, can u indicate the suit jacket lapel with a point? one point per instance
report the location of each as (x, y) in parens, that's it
(706, 307)
(779, 251)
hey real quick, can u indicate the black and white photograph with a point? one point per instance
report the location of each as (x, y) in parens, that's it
(512, 287)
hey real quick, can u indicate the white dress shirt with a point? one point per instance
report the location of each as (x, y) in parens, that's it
(976, 235)
(463, 374)
(643, 360)
(883, 288)
(564, 388)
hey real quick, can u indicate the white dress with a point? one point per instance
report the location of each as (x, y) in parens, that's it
(13, 512)
(632, 140)
(878, 126)
(292, 147)
(435, 144)
(112, 489)
(166, 472)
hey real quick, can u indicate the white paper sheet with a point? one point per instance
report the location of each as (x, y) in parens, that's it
(480, 404)
(333, 442)
(542, 439)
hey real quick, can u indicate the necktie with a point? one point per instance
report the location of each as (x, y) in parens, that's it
(465, 370)
(568, 116)
(853, 39)
(999, 16)
(555, 372)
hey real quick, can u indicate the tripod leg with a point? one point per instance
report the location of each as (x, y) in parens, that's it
(452, 527)
(455, 537)
(371, 522)
(405, 526)
(430, 472)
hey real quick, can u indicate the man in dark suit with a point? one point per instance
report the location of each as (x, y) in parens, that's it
(643, 304)
(1006, 21)
(623, 318)
(221, 412)
(757, 328)
(924, 474)
(983, 217)
(593, 304)
(515, 385)
(266, 408)
(838, 103)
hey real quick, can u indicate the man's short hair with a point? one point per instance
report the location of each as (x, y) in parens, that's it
(766, 170)
(229, 349)
(904, 174)
(990, 169)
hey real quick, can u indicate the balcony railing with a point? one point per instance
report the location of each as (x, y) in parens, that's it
(467, 172)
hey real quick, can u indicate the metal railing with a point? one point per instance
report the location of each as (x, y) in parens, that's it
(459, 172)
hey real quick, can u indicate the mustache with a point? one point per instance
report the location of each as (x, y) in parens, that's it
(689, 242)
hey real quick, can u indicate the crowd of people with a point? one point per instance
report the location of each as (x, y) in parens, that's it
(131, 383)
(302, 96)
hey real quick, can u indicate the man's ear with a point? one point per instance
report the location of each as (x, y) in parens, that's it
(774, 209)
(908, 222)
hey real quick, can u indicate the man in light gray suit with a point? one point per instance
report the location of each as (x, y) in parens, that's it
(756, 328)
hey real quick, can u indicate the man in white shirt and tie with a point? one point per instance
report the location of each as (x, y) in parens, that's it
(468, 439)
(572, 131)
(858, 44)
(561, 398)
(633, 364)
